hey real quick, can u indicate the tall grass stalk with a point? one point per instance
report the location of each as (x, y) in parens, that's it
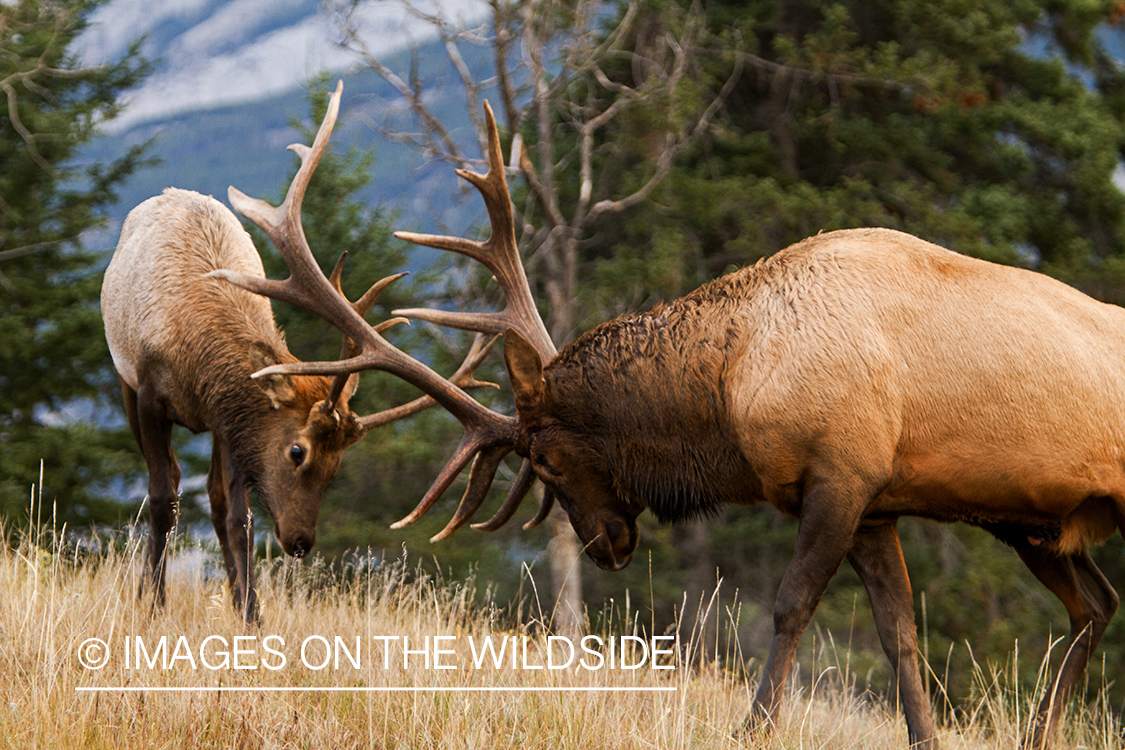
(56, 594)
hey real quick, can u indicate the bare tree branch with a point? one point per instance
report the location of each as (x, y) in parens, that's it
(664, 163)
(503, 36)
(832, 78)
(439, 143)
(38, 247)
(522, 34)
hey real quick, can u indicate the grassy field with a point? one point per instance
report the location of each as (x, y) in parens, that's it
(330, 666)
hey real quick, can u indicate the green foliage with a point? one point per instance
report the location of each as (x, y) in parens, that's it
(53, 356)
(993, 128)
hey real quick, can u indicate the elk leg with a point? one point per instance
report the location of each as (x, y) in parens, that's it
(153, 431)
(240, 536)
(130, 397)
(825, 535)
(877, 556)
(1090, 602)
(217, 492)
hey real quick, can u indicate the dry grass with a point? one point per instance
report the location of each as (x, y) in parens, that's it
(51, 601)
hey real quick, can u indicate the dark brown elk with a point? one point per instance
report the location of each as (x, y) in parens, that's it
(184, 346)
(849, 380)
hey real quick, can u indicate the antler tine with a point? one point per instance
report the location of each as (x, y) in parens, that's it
(462, 378)
(345, 385)
(308, 287)
(478, 350)
(516, 494)
(544, 509)
(480, 480)
(500, 253)
(467, 449)
(282, 224)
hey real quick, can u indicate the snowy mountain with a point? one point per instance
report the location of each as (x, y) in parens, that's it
(231, 76)
(213, 53)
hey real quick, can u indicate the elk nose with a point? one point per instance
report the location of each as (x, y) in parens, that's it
(300, 545)
(613, 548)
(623, 539)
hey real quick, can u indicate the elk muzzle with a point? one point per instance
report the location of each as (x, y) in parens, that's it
(612, 541)
(296, 541)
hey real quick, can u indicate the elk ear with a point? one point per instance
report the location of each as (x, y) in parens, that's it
(525, 371)
(279, 388)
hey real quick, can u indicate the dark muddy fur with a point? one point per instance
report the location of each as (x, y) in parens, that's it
(1017, 535)
(648, 390)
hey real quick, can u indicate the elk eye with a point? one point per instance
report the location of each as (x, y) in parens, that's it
(297, 454)
(541, 459)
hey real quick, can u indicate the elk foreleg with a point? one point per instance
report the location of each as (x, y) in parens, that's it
(877, 556)
(829, 519)
(240, 539)
(217, 493)
(1090, 602)
(153, 431)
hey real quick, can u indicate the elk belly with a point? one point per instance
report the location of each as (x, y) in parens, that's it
(948, 487)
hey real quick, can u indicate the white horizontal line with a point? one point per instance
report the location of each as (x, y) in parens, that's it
(229, 689)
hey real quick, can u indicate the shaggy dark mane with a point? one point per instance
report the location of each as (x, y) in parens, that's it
(644, 386)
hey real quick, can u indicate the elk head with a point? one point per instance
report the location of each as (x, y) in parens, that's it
(312, 446)
(570, 468)
(304, 440)
(570, 462)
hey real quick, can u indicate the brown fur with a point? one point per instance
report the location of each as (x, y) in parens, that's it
(185, 347)
(851, 379)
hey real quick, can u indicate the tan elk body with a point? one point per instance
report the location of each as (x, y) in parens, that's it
(947, 387)
(185, 344)
(851, 379)
(184, 347)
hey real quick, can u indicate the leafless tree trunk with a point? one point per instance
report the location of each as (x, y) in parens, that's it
(540, 49)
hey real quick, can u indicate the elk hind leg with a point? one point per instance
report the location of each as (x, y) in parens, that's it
(1090, 603)
(876, 556)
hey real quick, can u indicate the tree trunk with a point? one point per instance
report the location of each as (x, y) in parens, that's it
(564, 552)
(564, 549)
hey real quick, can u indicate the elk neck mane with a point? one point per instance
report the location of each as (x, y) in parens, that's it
(215, 373)
(649, 390)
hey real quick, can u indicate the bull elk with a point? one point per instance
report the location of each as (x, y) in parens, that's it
(851, 379)
(184, 345)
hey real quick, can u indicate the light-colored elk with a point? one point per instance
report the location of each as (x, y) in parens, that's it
(851, 379)
(184, 345)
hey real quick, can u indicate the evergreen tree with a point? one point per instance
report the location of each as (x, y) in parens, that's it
(992, 128)
(54, 363)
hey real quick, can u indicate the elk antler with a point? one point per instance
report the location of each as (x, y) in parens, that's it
(344, 385)
(500, 254)
(488, 435)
